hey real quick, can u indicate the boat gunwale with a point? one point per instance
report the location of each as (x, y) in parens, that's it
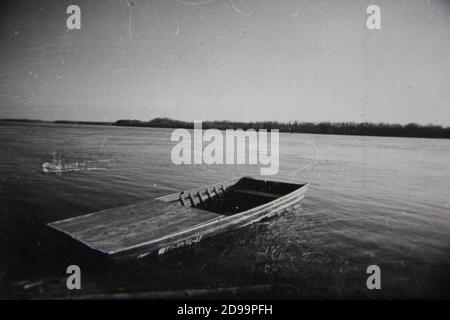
(175, 195)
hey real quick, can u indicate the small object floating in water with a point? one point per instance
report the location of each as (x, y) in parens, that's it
(183, 218)
(60, 166)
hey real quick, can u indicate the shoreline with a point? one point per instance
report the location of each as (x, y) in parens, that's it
(328, 128)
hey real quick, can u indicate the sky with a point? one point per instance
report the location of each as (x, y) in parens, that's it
(248, 60)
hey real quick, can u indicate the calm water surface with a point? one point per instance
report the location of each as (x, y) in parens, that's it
(372, 200)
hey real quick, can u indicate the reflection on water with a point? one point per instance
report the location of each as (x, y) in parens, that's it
(372, 200)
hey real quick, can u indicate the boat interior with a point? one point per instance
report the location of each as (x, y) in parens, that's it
(245, 194)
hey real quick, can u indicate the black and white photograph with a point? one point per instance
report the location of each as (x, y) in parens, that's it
(238, 150)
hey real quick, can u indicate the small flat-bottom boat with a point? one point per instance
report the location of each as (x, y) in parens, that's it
(181, 219)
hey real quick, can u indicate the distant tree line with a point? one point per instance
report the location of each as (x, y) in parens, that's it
(346, 128)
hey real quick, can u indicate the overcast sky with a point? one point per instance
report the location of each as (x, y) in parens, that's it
(223, 59)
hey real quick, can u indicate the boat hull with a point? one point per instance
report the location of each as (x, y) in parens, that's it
(217, 227)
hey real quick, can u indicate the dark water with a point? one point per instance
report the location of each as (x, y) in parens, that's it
(372, 200)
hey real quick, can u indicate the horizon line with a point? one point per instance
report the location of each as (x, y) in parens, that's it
(236, 121)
